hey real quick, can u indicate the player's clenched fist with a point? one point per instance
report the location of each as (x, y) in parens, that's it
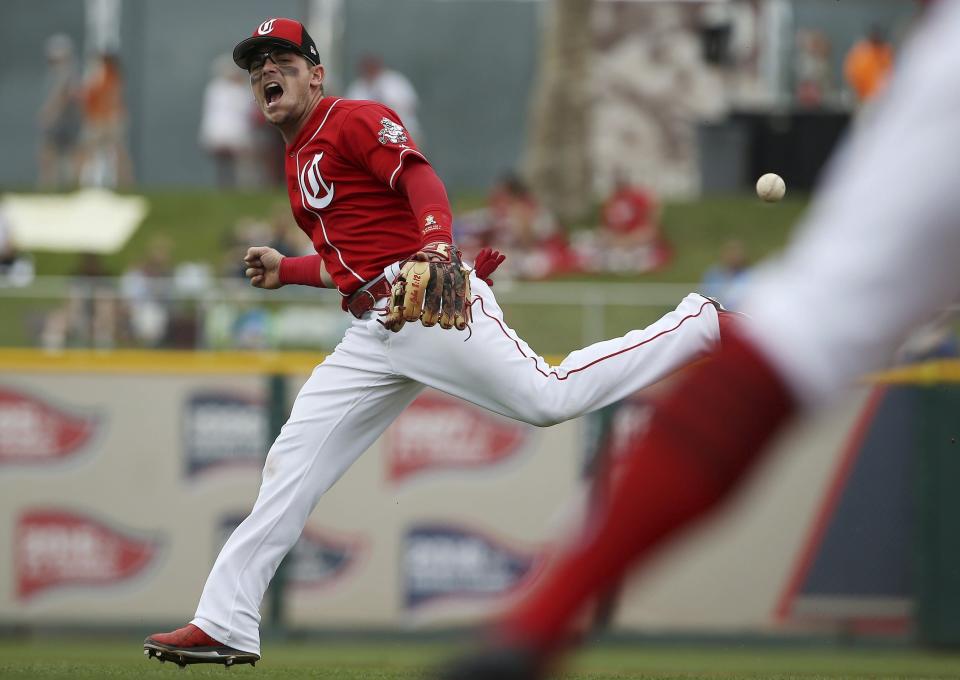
(263, 267)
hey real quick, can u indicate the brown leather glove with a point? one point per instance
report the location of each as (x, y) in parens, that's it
(433, 286)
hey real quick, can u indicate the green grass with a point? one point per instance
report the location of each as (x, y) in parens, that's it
(80, 660)
(698, 229)
(198, 222)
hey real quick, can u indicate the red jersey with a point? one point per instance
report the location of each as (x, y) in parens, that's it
(342, 172)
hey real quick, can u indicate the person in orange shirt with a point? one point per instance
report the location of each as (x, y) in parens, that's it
(868, 65)
(106, 159)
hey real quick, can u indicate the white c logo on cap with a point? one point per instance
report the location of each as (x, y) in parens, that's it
(266, 27)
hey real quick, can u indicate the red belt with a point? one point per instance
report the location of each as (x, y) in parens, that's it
(365, 299)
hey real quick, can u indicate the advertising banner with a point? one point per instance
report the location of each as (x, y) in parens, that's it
(117, 490)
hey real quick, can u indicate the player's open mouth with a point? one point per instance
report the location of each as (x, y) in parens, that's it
(271, 93)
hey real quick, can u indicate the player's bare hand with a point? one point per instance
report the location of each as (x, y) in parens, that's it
(263, 267)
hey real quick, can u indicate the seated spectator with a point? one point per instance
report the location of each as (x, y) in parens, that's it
(527, 232)
(725, 280)
(931, 341)
(628, 238)
(146, 290)
(246, 232)
(630, 230)
(90, 315)
(16, 267)
(286, 237)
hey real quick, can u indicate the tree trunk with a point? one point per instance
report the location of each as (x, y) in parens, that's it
(558, 157)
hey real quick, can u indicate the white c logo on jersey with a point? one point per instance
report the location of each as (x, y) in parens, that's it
(266, 27)
(311, 184)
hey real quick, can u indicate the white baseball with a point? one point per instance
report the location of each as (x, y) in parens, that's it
(771, 187)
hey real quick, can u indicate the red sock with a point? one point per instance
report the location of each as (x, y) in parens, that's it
(702, 439)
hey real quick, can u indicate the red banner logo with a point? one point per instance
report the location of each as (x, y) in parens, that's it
(438, 432)
(56, 548)
(34, 431)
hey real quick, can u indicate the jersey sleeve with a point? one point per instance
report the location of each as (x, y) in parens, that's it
(375, 139)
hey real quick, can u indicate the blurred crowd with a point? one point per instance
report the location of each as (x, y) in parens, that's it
(83, 142)
(158, 301)
(626, 239)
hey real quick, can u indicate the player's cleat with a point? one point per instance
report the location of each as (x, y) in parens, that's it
(502, 663)
(189, 645)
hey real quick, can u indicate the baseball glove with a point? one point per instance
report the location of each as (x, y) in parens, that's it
(433, 286)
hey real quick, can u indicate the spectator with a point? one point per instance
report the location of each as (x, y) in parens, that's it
(931, 341)
(16, 268)
(630, 238)
(868, 65)
(247, 230)
(535, 243)
(812, 69)
(90, 315)
(60, 117)
(286, 236)
(226, 124)
(145, 288)
(269, 151)
(106, 161)
(725, 280)
(390, 88)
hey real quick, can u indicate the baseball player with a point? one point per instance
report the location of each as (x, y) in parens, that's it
(877, 256)
(380, 220)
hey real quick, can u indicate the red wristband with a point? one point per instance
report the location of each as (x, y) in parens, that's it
(303, 270)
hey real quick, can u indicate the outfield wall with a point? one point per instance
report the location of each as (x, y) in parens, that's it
(121, 475)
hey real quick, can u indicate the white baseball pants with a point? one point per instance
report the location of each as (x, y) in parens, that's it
(373, 374)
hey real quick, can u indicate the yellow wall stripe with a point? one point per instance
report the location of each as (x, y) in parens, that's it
(133, 361)
(158, 362)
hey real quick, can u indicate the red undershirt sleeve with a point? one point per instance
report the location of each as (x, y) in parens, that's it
(303, 270)
(428, 200)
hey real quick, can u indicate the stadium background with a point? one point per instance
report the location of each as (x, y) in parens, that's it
(122, 470)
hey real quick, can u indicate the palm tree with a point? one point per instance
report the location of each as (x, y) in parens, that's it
(557, 157)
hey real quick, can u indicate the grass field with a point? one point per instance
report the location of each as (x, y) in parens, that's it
(77, 660)
(198, 224)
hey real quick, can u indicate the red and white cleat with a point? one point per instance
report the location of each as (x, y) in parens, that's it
(191, 645)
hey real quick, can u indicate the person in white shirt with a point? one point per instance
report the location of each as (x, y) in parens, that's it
(391, 89)
(226, 125)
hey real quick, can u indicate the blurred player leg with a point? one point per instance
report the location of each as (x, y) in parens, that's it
(877, 257)
(497, 370)
(341, 410)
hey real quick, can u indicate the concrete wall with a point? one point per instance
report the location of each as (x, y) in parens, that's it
(472, 62)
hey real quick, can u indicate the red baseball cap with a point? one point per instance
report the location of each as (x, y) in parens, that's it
(281, 33)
